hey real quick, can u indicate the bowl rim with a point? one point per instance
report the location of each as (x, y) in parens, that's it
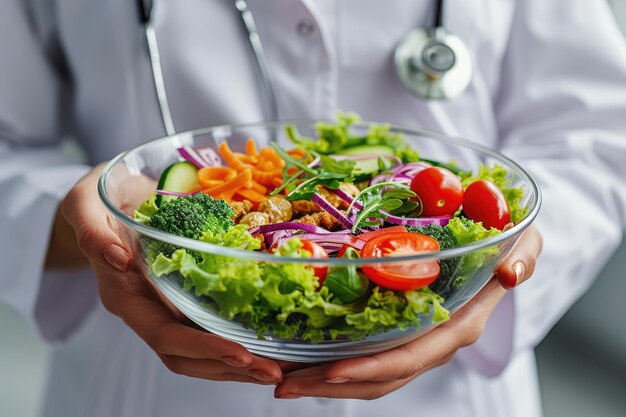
(268, 257)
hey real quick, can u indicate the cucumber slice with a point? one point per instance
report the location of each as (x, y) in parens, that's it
(181, 177)
(368, 166)
(368, 149)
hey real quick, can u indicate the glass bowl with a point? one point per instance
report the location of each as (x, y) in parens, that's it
(131, 177)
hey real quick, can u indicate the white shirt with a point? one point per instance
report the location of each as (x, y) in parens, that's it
(548, 91)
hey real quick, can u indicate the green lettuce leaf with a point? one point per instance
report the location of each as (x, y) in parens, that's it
(146, 210)
(468, 231)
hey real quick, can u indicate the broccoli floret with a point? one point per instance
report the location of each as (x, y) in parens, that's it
(449, 267)
(193, 215)
(441, 234)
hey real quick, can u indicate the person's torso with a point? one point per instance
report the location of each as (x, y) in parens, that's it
(323, 55)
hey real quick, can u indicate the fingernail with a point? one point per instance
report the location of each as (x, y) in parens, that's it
(229, 360)
(117, 257)
(519, 268)
(338, 380)
(290, 396)
(261, 376)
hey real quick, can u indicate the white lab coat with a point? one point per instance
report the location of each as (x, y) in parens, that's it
(549, 90)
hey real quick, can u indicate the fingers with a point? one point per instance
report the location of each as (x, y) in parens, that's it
(88, 218)
(218, 370)
(310, 382)
(389, 370)
(185, 350)
(520, 264)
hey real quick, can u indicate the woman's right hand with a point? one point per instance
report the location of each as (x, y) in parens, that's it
(126, 292)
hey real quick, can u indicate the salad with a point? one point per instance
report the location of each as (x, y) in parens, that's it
(336, 195)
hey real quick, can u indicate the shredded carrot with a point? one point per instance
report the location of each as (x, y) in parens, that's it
(297, 153)
(230, 158)
(207, 175)
(247, 159)
(251, 195)
(269, 155)
(251, 148)
(259, 188)
(277, 181)
(243, 179)
(226, 195)
(266, 177)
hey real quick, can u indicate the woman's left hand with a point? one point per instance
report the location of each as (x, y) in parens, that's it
(374, 376)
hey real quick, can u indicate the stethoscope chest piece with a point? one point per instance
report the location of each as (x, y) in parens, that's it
(433, 64)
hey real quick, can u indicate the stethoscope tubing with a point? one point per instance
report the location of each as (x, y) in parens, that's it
(145, 8)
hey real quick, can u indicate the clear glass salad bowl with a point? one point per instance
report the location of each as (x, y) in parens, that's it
(131, 177)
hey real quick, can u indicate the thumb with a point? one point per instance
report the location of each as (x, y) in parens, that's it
(520, 264)
(84, 212)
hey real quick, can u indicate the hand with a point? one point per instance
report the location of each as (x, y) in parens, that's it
(126, 292)
(374, 376)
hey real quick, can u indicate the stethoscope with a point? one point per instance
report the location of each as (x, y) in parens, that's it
(431, 63)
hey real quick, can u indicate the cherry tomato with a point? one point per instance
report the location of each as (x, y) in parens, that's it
(317, 251)
(484, 202)
(370, 235)
(439, 190)
(367, 236)
(404, 276)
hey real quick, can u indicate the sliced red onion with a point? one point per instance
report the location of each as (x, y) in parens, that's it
(273, 239)
(409, 166)
(347, 198)
(209, 156)
(403, 173)
(329, 241)
(326, 206)
(192, 156)
(384, 177)
(176, 193)
(416, 221)
(336, 238)
(269, 228)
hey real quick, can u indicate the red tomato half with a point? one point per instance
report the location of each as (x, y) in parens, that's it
(404, 276)
(484, 202)
(370, 235)
(439, 190)
(317, 251)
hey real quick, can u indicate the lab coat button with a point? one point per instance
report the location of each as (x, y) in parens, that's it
(305, 27)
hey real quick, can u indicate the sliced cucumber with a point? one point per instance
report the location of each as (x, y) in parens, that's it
(367, 166)
(368, 150)
(180, 177)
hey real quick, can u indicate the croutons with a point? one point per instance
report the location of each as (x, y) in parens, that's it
(255, 219)
(322, 219)
(241, 208)
(277, 208)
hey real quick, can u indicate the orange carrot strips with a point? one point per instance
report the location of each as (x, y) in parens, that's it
(258, 187)
(265, 177)
(230, 158)
(207, 175)
(243, 179)
(268, 154)
(251, 148)
(247, 159)
(251, 195)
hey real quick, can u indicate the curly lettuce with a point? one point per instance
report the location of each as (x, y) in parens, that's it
(283, 299)
(468, 231)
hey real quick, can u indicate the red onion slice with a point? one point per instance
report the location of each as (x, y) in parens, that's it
(326, 206)
(417, 221)
(190, 155)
